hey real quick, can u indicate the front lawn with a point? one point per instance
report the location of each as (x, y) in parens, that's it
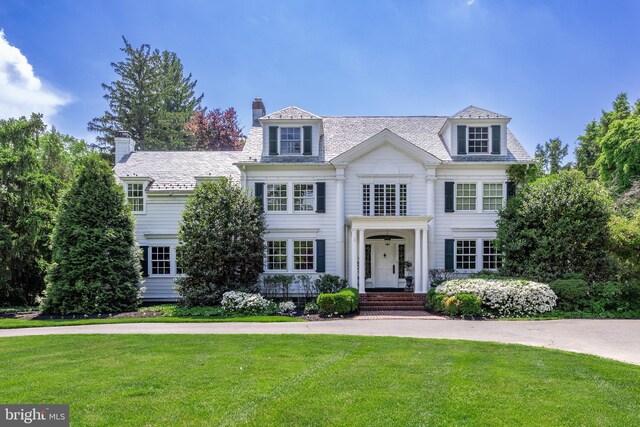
(9, 323)
(192, 380)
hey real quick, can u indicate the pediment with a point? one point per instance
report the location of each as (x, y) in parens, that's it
(386, 137)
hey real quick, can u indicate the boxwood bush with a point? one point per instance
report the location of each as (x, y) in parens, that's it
(342, 302)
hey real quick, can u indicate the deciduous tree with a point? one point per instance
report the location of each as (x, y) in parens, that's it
(215, 130)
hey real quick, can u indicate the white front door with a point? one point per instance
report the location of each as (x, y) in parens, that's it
(385, 266)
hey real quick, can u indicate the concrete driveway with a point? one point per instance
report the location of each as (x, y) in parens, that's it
(614, 339)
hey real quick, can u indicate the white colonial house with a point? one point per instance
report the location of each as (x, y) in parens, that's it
(355, 196)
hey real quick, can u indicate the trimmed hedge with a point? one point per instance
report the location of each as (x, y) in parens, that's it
(465, 305)
(343, 302)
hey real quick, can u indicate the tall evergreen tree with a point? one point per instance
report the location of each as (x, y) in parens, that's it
(96, 268)
(152, 99)
(550, 155)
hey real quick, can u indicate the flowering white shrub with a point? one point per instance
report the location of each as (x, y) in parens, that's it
(504, 297)
(286, 308)
(243, 302)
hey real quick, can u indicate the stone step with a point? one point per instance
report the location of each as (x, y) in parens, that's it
(392, 308)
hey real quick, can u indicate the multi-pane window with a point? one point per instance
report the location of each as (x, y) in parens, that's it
(366, 200)
(384, 199)
(465, 255)
(303, 254)
(403, 200)
(277, 197)
(303, 197)
(290, 141)
(478, 139)
(491, 197)
(465, 197)
(160, 260)
(491, 259)
(135, 196)
(277, 255)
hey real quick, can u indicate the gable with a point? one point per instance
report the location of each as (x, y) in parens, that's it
(386, 138)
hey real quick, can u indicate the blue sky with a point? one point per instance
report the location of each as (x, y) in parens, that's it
(552, 66)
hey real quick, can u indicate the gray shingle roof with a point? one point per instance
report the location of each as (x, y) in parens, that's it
(291, 113)
(344, 132)
(473, 112)
(177, 170)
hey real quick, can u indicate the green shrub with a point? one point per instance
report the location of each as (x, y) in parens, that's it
(573, 294)
(330, 284)
(435, 301)
(311, 308)
(277, 285)
(343, 302)
(469, 305)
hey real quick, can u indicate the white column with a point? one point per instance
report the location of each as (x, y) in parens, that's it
(479, 191)
(340, 271)
(431, 211)
(361, 261)
(353, 277)
(417, 263)
(425, 260)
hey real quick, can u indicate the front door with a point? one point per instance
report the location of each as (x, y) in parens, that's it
(385, 266)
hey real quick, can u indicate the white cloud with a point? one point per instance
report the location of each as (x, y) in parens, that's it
(21, 91)
(470, 2)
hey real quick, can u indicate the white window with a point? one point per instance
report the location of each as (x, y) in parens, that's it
(277, 255)
(290, 140)
(303, 197)
(491, 197)
(160, 260)
(303, 255)
(491, 259)
(465, 254)
(135, 196)
(384, 199)
(277, 197)
(478, 139)
(465, 197)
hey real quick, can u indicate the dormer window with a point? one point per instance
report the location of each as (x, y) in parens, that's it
(290, 141)
(478, 139)
(135, 196)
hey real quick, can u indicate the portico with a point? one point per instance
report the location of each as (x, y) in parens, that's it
(379, 246)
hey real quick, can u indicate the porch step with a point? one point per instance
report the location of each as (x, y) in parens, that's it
(395, 301)
(391, 308)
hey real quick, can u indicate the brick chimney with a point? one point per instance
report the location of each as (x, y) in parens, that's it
(124, 145)
(257, 107)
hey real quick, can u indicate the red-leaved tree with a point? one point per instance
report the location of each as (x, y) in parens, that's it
(215, 130)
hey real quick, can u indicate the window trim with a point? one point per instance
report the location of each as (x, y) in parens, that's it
(314, 197)
(290, 255)
(313, 257)
(280, 140)
(489, 136)
(455, 197)
(173, 266)
(266, 198)
(370, 187)
(144, 196)
(286, 254)
(455, 255)
(498, 256)
(502, 185)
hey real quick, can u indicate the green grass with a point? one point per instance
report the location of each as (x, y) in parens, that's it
(203, 380)
(22, 323)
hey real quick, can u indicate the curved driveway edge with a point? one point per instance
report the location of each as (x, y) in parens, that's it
(614, 339)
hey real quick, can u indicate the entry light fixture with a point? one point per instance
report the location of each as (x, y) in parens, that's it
(387, 239)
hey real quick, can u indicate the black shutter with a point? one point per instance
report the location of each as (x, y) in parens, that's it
(448, 196)
(144, 261)
(306, 138)
(259, 194)
(448, 254)
(320, 197)
(495, 139)
(511, 189)
(320, 257)
(273, 140)
(462, 139)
